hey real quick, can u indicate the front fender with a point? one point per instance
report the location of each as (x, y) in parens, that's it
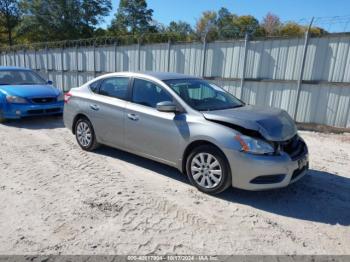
(2, 100)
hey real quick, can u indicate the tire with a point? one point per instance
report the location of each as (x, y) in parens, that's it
(203, 166)
(85, 135)
(2, 119)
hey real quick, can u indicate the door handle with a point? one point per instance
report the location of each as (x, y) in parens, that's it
(133, 117)
(94, 107)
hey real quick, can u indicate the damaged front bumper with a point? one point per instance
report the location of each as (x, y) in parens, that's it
(261, 172)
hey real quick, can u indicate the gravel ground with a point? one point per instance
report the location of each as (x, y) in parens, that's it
(58, 199)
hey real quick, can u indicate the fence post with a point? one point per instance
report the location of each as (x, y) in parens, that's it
(24, 57)
(301, 74)
(14, 57)
(115, 56)
(204, 56)
(77, 64)
(246, 41)
(168, 58)
(35, 64)
(47, 60)
(138, 55)
(94, 58)
(62, 69)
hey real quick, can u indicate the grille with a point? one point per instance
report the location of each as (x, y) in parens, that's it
(294, 147)
(43, 100)
(43, 111)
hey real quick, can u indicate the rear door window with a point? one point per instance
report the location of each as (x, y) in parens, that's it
(115, 87)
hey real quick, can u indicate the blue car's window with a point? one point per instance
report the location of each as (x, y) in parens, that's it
(203, 96)
(20, 77)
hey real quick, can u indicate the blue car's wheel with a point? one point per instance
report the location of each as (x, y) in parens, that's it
(2, 119)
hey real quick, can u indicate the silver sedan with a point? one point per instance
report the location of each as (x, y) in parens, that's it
(191, 124)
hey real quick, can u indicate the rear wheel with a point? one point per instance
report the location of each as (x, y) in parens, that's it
(85, 134)
(208, 170)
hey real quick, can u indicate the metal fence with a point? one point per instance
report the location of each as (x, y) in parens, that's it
(310, 78)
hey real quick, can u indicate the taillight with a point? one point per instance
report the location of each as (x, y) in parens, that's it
(67, 96)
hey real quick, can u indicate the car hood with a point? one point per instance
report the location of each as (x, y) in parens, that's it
(272, 123)
(30, 90)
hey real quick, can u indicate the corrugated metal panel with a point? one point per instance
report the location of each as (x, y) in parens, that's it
(86, 59)
(187, 58)
(70, 59)
(55, 59)
(105, 59)
(274, 59)
(127, 58)
(30, 59)
(328, 59)
(41, 59)
(225, 59)
(324, 104)
(279, 95)
(154, 57)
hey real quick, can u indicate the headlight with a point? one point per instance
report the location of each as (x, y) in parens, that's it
(253, 145)
(60, 97)
(16, 99)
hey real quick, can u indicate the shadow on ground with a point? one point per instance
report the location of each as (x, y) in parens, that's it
(319, 196)
(40, 122)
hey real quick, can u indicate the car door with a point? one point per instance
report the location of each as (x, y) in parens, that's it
(148, 131)
(108, 108)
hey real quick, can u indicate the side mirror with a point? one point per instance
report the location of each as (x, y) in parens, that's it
(49, 82)
(166, 106)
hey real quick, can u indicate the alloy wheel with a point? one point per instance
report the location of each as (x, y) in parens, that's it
(206, 170)
(84, 134)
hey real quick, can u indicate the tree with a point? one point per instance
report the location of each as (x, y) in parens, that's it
(292, 29)
(51, 20)
(133, 17)
(226, 27)
(206, 27)
(180, 27)
(247, 24)
(93, 12)
(9, 17)
(271, 24)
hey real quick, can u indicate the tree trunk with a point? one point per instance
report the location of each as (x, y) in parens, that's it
(9, 35)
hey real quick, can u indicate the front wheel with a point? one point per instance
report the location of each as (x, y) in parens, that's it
(208, 169)
(2, 119)
(85, 135)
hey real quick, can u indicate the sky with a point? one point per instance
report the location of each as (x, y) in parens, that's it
(166, 11)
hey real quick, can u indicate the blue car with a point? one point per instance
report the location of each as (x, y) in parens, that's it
(23, 93)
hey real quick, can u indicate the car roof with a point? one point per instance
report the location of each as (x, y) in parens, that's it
(164, 75)
(13, 68)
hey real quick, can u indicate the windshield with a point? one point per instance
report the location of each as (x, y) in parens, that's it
(20, 77)
(202, 95)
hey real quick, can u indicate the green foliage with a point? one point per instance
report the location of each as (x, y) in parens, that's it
(10, 15)
(292, 29)
(206, 27)
(133, 17)
(180, 31)
(28, 21)
(52, 20)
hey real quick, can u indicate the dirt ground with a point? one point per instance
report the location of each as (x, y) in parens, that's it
(58, 199)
